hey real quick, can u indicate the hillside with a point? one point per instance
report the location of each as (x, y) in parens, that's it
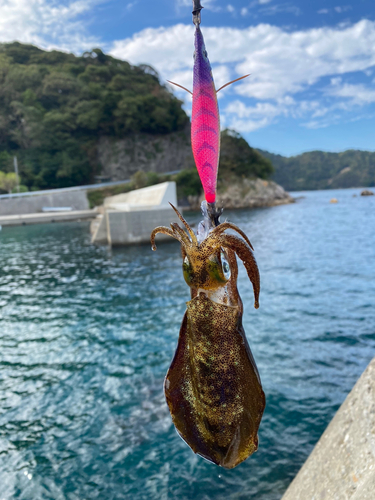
(54, 108)
(320, 170)
(70, 118)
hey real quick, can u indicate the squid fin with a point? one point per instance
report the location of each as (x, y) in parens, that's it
(181, 87)
(230, 83)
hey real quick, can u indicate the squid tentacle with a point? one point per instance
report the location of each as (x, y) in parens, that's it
(227, 225)
(190, 231)
(245, 253)
(177, 229)
(163, 230)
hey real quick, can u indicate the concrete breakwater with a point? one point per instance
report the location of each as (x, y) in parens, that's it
(342, 464)
(129, 218)
(44, 218)
(34, 202)
(53, 205)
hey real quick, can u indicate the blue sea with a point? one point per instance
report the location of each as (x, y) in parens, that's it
(87, 335)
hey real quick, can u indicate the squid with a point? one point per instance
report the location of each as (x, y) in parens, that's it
(212, 388)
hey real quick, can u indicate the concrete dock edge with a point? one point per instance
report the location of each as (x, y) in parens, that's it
(44, 218)
(342, 464)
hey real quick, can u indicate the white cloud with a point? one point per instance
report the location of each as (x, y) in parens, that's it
(323, 11)
(357, 93)
(157, 46)
(244, 11)
(280, 62)
(283, 7)
(283, 64)
(249, 118)
(344, 8)
(130, 5)
(46, 23)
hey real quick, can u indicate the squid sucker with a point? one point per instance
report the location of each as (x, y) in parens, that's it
(212, 387)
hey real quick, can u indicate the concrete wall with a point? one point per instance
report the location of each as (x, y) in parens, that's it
(17, 205)
(160, 194)
(342, 464)
(126, 228)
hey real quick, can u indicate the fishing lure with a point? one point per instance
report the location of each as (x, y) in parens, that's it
(212, 387)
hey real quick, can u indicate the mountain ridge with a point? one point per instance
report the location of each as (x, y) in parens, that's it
(323, 170)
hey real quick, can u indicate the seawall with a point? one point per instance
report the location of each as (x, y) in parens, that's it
(342, 464)
(16, 205)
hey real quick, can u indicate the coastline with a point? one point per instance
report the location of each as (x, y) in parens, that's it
(246, 193)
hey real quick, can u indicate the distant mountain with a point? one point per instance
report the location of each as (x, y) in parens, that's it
(320, 170)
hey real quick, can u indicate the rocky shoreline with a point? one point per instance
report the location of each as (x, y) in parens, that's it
(246, 193)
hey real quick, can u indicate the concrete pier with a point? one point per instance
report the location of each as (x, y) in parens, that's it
(342, 464)
(129, 218)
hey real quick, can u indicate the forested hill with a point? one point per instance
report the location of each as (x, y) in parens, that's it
(54, 106)
(320, 170)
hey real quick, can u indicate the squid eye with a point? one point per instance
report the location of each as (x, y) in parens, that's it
(225, 266)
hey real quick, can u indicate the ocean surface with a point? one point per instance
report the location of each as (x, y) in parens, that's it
(87, 335)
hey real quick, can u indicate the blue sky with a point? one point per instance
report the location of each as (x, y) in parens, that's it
(312, 64)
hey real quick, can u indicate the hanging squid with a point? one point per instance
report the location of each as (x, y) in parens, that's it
(212, 387)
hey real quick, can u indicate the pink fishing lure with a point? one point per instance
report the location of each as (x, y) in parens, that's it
(205, 121)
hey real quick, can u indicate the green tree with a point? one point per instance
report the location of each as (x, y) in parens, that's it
(54, 107)
(2, 178)
(8, 181)
(238, 159)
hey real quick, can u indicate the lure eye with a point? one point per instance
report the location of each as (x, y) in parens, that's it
(205, 54)
(225, 266)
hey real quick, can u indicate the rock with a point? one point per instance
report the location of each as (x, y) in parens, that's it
(342, 464)
(247, 193)
(159, 153)
(366, 192)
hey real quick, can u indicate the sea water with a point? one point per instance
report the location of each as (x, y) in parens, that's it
(87, 335)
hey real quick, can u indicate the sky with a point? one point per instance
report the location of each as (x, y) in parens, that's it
(312, 63)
